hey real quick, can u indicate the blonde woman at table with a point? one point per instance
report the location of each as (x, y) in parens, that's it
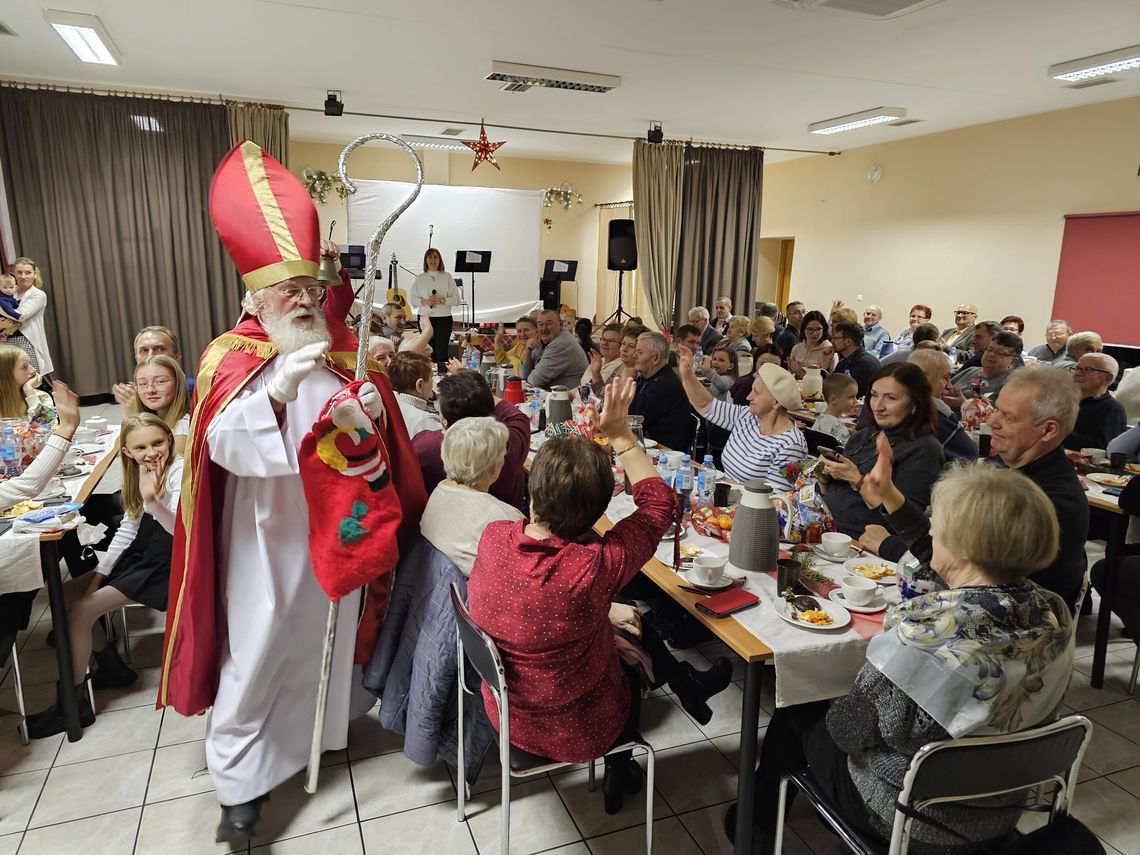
(20, 395)
(15, 608)
(991, 654)
(764, 440)
(160, 388)
(136, 568)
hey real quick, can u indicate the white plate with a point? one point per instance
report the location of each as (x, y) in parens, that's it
(52, 491)
(650, 443)
(818, 550)
(877, 604)
(725, 582)
(1107, 480)
(840, 616)
(669, 534)
(851, 563)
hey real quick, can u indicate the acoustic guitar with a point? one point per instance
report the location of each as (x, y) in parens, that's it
(396, 294)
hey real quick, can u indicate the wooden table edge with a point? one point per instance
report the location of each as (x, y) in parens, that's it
(742, 642)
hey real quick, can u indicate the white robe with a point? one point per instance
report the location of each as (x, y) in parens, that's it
(260, 727)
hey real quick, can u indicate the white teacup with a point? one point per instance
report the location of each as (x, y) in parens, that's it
(707, 569)
(97, 424)
(71, 458)
(1096, 455)
(857, 590)
(85, 434)
(836, 544)
(674, 458)
(819, 407)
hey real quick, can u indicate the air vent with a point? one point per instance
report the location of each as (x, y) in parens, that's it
(1096, 81)
(451, 132)
(529, 76)
(903, 122)
(5, 30)
(874, 9)
(516, 87)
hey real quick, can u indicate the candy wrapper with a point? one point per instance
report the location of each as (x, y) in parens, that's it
(562, 430)
(975, 412)
(915, 579)
(803, 516)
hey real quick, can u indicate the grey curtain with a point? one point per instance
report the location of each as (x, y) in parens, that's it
(720, 234)
(266, 125)
(657, 197)
(109, 196)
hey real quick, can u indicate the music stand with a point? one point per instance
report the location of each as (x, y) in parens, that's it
(473, 261)
(554, 272)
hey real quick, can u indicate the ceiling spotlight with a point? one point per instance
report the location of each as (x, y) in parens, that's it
(85, 35)
(850, 122)
(1099, 65)
(333, 105)
(655, 134)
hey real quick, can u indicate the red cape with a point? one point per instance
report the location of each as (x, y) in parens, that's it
(194, 634)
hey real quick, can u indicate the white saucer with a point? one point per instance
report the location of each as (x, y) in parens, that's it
(877, 604)
(725, 582)
(838, 559)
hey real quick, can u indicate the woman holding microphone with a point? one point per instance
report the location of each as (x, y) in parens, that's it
(433, 294)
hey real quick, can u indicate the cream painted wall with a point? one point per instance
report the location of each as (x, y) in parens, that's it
(573, 233)
(767, 271)
(974, 215)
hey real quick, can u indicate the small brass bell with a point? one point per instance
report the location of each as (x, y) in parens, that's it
(328, 271)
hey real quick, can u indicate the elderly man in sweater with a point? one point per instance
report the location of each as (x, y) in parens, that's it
(1100, 417)
(556, 358)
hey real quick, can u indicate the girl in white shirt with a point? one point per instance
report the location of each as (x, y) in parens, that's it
(160, 388)
(433, 294)
(136, 568)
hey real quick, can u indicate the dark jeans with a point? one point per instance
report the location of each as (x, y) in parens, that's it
(632, 723)
(796, 738)
(1126, 596)
(441, 340)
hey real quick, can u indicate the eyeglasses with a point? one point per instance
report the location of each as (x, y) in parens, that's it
(609, 340)
(155, 384)
(993, 351)
(1085, 369)
(316, 293)
(961, 312)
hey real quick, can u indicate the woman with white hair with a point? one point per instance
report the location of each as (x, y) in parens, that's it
(764, 440)
(460, 507)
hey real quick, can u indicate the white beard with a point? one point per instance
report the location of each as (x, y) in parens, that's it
(288, 336)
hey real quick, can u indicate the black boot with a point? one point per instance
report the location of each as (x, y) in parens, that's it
(693, 688)
(111, 672)
(622, 778)
(50, 721)
(239, 822)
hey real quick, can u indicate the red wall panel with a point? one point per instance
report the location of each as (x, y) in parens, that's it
(1098, 278)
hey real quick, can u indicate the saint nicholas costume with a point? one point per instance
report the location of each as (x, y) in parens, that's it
(280, 511)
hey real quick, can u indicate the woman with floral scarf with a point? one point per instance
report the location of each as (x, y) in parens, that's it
(992, 653)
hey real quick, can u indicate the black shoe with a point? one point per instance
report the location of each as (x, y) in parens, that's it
(621, 779)
(239, 822)
(50, 721)
(693, 688)
(111, 672)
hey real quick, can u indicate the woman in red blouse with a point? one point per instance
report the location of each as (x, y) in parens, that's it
(542, 590)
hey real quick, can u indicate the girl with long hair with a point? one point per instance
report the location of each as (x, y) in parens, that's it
(20, 395)
(136, 568)
(160, 388)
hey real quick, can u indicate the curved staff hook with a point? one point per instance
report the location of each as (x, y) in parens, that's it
(362, 333)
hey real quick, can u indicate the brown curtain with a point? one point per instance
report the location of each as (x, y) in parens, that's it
(720, 231)
(266, 125)
(657, 195)
(109, 195)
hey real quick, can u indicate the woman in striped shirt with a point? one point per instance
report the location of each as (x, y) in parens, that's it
(763, 440)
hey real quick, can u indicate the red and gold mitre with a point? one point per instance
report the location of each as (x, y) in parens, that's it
(265, 218)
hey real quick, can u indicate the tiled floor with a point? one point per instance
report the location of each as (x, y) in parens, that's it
(136, 782)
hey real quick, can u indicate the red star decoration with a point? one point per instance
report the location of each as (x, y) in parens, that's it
(484, 150)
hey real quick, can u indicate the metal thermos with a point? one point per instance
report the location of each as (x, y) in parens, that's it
(755, 542)
(558, 405)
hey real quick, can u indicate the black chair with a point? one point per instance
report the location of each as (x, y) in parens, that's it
(515, 763)
(958, 770)
(816, 438)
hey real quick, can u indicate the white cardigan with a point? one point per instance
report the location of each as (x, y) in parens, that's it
(32, 306)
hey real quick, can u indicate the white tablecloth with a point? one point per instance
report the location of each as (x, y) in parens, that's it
(811, 664)
(21, 569)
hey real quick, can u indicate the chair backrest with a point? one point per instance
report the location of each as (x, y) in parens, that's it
(478, 647)
(816, 438)
(1129, 498)
(975, 767)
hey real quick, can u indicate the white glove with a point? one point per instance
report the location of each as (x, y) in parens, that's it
(370, 398)
(297, 366)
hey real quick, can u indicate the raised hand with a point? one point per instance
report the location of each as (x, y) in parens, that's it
(67, 405)
(370, 398)
(32, 385)
(684, 359)
(614, 420)
(297, 366)
(596, 366)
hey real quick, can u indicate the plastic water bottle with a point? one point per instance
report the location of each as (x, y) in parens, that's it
(698, 358)
(664, 471)
(9, 453)
(706, 483)
(684, 482)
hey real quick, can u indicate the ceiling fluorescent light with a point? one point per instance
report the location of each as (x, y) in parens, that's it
(877, 116)
(525, 76)
(1100, 65)
(444, 143)
(85, 35)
